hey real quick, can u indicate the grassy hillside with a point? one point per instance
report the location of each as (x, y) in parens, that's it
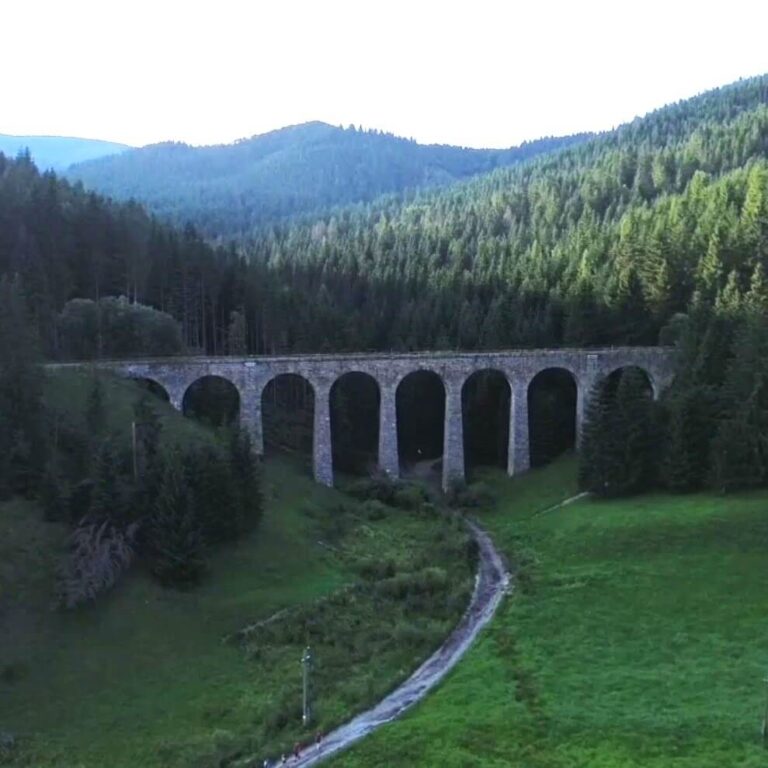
(59, 152)
(143, 677)
(636, 637)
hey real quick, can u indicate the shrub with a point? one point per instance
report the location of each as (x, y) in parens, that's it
(408, 496)
(474, 496)
(374, 509)
(394, 494)
(99, 553)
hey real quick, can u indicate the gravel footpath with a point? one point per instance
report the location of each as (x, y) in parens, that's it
(491, 584)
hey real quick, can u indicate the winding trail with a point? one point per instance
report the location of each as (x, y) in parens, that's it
(491, 583)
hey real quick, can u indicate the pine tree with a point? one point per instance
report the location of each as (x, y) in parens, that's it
(691, 426)
(247, 479)
(598, 444)
(107, 501)
(736, 460)
(95, 417)
(175, 536)
(214, 493)
(23, 442)
(637, 429)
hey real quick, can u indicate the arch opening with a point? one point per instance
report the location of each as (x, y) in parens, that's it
(354, 403)
(420, 400)
(613, 379)
(153, 387)
(485, 404)
(551, 415)
(288, 414)
(213, 400)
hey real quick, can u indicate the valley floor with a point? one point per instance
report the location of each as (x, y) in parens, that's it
(636, 637)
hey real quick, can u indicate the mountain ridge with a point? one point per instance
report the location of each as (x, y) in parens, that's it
(230, 189)
(58, 152)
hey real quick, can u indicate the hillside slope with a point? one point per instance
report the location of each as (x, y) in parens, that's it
(230, 189)
(59, 152)
(143, 677)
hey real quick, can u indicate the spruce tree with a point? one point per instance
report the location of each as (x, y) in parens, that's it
(23, 442)
(175, 537)
(637, 429)
(107, 500)
(247, 479)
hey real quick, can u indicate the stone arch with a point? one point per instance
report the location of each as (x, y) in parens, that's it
(153, 386)
(614, 375)
(355, 402)
(420, 398)
(213, 399)
(485, 405)
(552, 413)
(287, 413)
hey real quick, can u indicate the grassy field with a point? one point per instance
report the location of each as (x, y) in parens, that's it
(637, 636)
(144, 679)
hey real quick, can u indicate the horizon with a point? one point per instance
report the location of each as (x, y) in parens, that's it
(492, 78)
(594, 131)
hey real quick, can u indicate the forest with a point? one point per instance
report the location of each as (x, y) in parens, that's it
(231, 190)
(656, 232)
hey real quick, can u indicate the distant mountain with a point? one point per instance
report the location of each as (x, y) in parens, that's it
(231, 189)
(58, 152)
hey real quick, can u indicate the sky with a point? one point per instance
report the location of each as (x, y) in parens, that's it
(473, 73)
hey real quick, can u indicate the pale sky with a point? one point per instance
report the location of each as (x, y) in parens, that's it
(474, 73)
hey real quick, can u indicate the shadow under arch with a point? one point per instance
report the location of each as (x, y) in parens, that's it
(213, 400)
(154, 388)
(485, 408)
(552, 395)
(288, 414)
(355, 399)
(420, 403)
(613, 379)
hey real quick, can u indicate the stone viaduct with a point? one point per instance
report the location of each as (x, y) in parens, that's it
(250, 376)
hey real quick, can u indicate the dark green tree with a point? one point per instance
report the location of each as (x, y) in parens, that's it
(175, 537)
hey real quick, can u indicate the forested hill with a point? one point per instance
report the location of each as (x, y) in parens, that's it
(58, 152)
(601, 243)
(228, 190)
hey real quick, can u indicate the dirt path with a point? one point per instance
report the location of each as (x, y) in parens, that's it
(491, 583)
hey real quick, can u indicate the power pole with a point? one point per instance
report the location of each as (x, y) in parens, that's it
(764, 729)
(306, 663)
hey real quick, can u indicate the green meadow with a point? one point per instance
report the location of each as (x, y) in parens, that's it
(637, 636)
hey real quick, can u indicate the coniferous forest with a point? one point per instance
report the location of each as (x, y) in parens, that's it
(656, 232)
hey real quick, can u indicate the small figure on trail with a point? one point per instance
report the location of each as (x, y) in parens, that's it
(318, 738)
(297, 750)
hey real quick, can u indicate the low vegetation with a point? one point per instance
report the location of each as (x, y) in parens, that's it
(635, 638)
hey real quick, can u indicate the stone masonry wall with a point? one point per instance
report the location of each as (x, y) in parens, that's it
(250, 375)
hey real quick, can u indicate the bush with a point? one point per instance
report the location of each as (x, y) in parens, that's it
(394, 494)
(474, 496)
(374, 510)
(409, 496)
